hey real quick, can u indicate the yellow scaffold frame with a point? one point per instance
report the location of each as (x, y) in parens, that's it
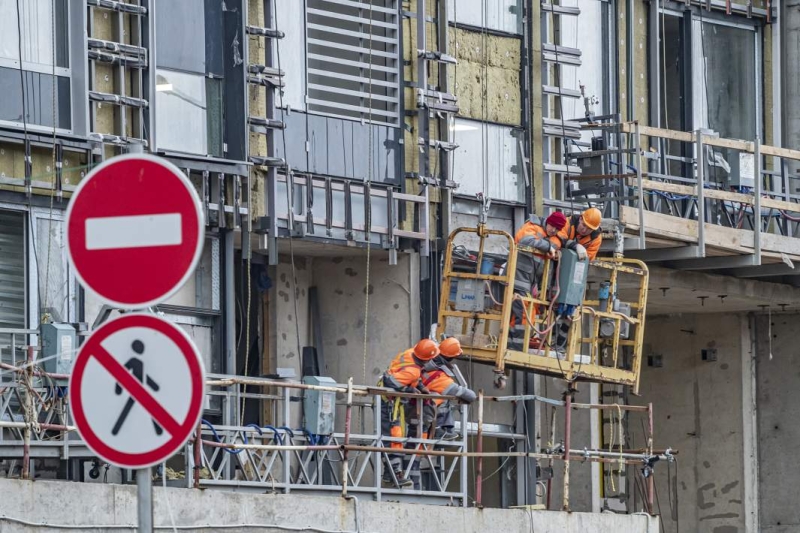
(483, 347)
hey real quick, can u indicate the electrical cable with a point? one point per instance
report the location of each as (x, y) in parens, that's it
(289, 184)
(103, 527)
(368, 213)
(53, 161)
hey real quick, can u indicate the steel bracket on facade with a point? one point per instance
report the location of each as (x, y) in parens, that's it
(438, 145)
(437, 56)
(262, 125)
(268, 161)
(117, 99)
(118, 6)
(114, 59)
(264, 32)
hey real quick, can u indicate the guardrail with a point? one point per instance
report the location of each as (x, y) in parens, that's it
(280, 455)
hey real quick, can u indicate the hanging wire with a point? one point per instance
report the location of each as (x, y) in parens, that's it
(368, 210)
(53, 163)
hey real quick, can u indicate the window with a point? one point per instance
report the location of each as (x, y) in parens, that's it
(189, 78)
(348, 76)
(700, 83)
(500, 15)
(44, 53)
(725, 92)
(498, 174)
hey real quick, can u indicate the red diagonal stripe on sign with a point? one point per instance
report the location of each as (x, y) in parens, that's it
(136, 390)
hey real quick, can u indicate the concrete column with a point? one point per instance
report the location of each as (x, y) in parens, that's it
(789, 39)
(749, 424)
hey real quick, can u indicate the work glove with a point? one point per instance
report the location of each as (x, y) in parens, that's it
(467, 395)
(581, 251)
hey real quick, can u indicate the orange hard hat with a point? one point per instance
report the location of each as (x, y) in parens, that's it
(592, 218)
(450, 347)
(426, 350)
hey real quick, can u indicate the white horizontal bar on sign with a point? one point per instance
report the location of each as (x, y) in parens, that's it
(137, 231)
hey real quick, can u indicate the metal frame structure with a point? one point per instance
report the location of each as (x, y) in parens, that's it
(490, 346)
(275, 457)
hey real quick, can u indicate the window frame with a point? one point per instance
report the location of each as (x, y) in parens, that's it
(698, 14)
(76, 73)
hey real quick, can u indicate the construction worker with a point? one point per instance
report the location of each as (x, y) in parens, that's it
(543, 238)
(403, 375)
(583, 235)
(441, 376)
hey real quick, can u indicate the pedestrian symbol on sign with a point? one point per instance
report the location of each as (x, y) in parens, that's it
(136, 367)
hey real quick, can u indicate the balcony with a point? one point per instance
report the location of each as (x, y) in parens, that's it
(657, 185)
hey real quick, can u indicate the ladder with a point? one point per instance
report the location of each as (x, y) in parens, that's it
(556, 129)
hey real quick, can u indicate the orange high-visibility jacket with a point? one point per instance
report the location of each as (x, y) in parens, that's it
(403, 371)
(439, 381)
(534, 235)
(569, 237)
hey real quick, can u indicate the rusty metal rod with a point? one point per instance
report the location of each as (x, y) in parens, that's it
(347, 422)
(26, 444)
(37, 373)
(479, 449)
(197, 449)
(650, 480)
(567, 442)
(272, 447)
(42, 425)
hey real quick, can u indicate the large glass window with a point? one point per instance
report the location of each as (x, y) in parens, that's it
(43, 58)
(189, 78)
(725, 93)
(501, 15)
(488, 160)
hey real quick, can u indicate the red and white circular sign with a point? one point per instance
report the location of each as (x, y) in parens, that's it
(136, 390)
(134, 230)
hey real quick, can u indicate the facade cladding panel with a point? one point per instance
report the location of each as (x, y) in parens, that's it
(353, 60)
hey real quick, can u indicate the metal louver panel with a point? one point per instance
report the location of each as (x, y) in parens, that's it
(338, 41)
(12, 270)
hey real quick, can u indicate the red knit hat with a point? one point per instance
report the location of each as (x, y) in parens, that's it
(557, 220)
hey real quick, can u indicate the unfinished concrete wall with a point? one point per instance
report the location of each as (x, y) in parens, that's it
(778, 369)
(290, 326)
(393, 315)
(115, 505)
(698, 411)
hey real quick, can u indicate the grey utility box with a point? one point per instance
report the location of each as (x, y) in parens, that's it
(572, 278)
(319, 406)
(59, 344)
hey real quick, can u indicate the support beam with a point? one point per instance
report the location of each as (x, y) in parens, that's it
(712, 263)
(664, 254)
(764, 271)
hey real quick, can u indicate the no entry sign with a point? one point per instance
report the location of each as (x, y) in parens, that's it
(136, 390)
(134, 230)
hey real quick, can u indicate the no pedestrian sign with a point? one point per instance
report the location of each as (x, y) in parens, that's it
(134, 230)
(136, 390)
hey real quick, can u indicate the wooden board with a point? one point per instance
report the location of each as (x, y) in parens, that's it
(731, 240)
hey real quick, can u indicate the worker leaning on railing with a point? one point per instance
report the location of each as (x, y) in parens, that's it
(440, 376)
(582, 233)
(543, 238)
(403, 375)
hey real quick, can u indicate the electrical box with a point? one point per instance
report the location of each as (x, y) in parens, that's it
(470, 295)
(59, 344)
(743, 170)
(572, 278)
(319, 406)
(624, 326)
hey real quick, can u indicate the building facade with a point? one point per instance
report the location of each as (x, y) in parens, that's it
(335, 144)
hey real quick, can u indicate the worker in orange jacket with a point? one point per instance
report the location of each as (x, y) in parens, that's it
(582, 234)
(403, 375)
(543, 238)
(440, 376)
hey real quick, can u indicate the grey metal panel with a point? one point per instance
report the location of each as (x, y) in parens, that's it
(12, 270)
(337, 146)
(295, 154)
(318, 139)
(214, 40)
(361, 141)
(174, 49)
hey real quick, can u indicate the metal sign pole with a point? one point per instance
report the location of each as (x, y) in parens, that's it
(144, 496)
